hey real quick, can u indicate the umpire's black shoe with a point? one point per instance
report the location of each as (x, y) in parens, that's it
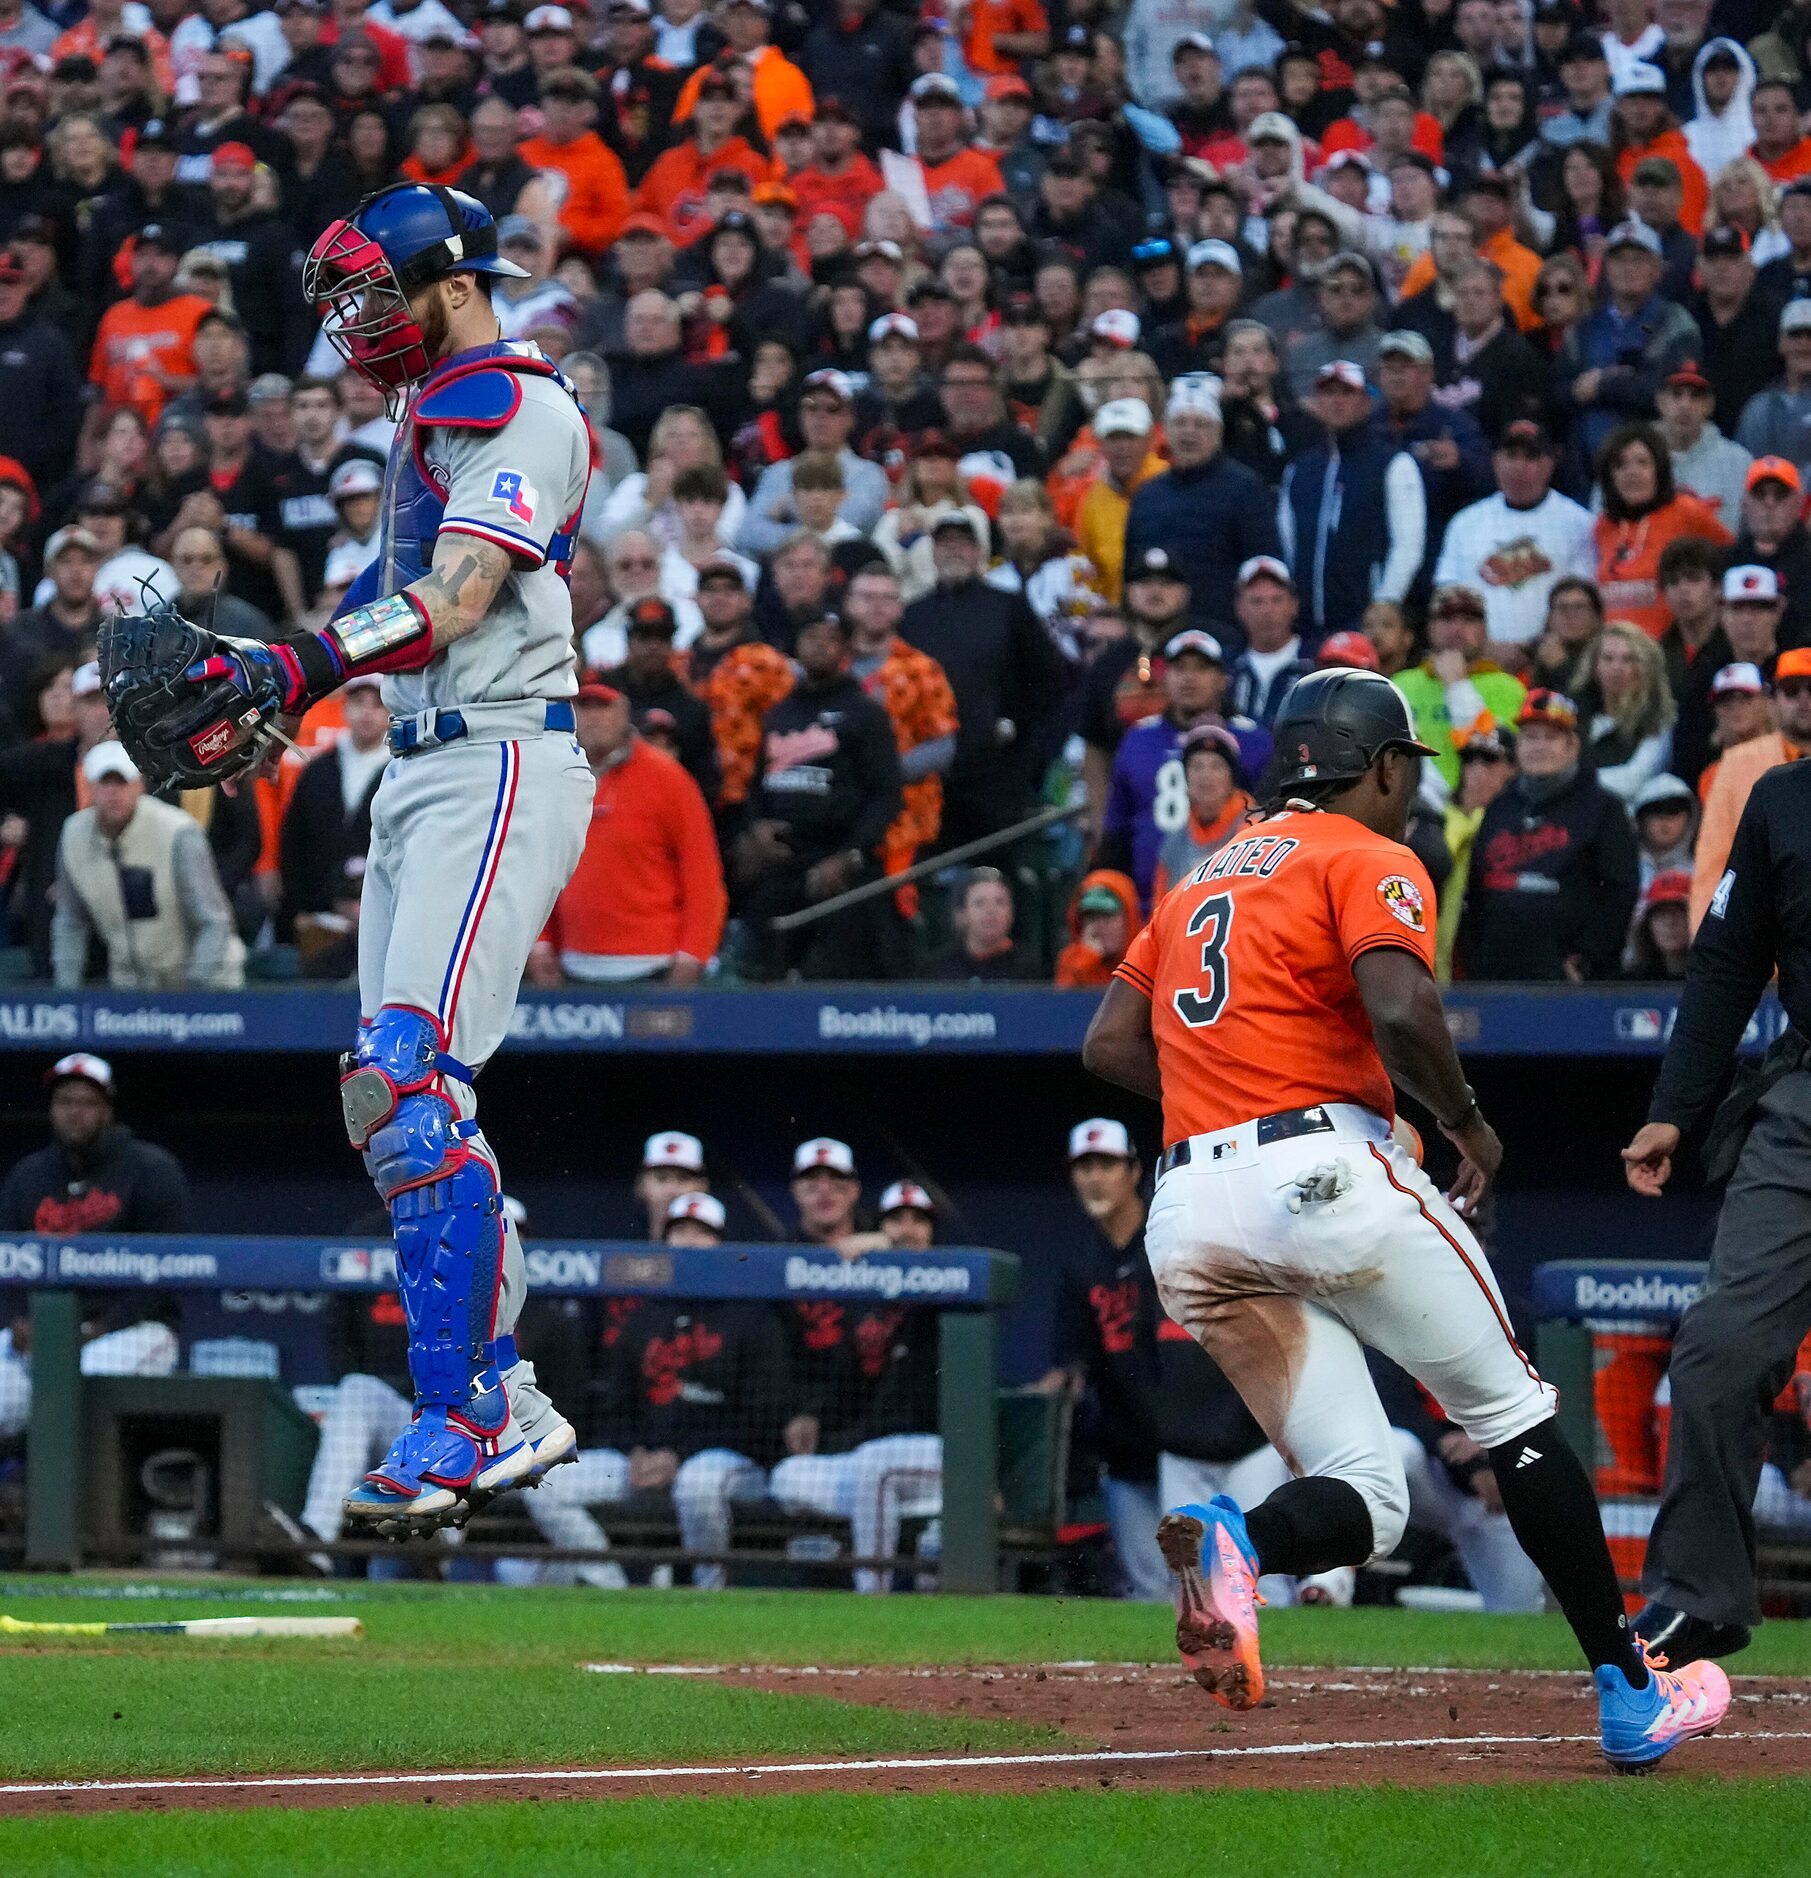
(1681, 1638)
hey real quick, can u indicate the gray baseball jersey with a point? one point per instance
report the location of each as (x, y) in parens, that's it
(516, 486)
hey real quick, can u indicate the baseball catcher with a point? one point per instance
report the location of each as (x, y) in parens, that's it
(481, 814)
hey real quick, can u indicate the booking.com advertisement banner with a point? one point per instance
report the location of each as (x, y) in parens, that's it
(851, 1020)
(956, 1277)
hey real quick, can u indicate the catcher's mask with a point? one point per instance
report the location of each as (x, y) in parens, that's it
(361, 272)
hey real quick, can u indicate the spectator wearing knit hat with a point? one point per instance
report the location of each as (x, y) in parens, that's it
(1553, 872)
(1208, 513)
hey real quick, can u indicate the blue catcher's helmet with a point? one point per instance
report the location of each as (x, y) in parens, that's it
(361, 272)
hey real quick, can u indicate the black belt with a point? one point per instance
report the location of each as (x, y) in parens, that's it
(1285, 1125)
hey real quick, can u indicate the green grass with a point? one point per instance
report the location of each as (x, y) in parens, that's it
(458, 1676)
(1605, 1828)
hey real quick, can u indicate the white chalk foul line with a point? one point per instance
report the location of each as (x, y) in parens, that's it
(753, 1770)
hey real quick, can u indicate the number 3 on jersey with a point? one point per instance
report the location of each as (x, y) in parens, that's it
(1200, 1006)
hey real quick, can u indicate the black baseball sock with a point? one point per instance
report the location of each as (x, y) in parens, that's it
(1311, 1525)
(1553, 1511)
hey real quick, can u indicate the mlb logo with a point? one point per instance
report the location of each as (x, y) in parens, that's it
(346, 1265)
(1640, 1026)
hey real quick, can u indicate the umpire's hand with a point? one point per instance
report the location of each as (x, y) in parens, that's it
(1647, 1162)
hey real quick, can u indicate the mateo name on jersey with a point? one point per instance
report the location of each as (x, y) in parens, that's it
(1259, 856)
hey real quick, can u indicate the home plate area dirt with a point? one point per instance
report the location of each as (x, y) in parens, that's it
(1129, 1726)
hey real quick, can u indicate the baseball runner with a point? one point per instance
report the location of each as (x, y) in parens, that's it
(481, 814)
(1278, 992)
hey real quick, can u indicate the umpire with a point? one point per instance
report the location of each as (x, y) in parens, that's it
(1736, 1343)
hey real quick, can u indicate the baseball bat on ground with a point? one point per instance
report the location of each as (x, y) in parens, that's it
(196, 1627)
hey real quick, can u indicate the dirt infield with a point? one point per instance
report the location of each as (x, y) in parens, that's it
(1129, 1726)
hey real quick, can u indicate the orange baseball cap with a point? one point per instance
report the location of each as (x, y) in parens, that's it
(643, 223)
(1793, 664)
(1548, 707)
(1773, 469)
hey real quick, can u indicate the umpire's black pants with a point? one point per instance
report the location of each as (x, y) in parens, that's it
(1734, 1354)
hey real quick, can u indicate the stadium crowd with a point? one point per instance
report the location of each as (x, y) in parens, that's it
(994, 407)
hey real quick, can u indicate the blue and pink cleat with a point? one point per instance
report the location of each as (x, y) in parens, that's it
(1216, 1568)
(1640, 1727)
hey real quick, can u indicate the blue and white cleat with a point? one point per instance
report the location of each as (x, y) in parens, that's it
(1216, 1568)
(444, 1466)
(1640, 1727)
(550, 1436)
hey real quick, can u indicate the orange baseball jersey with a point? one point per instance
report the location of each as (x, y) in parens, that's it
(1248, 966)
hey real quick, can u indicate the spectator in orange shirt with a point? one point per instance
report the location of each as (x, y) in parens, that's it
(674, 187)
(780, 88)
(1003, 34)
(837, 172)
(1489, 206)
(647, 899)
(1103, 921)
(955, 177)
(101, 24)
(917, 696)
(737, 674)
(1643, 127)
(1780, 147)
(1642, 512)
(144, 348)
(594, 202)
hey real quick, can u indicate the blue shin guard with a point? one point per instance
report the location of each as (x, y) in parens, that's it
(463, 1445)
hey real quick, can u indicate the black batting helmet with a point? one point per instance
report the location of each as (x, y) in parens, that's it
(1333, 724)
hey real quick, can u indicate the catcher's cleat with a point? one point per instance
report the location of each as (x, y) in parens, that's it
(550, 1437)
(1640, 1727)
(1216, 1614)
(443, 1467)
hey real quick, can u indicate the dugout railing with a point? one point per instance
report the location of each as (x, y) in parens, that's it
(259, 1428)
(1605, 1330)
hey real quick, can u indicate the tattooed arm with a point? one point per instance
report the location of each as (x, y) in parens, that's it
(456, 592)
(399, 633)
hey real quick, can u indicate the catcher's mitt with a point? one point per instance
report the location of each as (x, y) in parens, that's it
(180, 700)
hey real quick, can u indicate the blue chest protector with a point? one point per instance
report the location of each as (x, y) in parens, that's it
(480, 389)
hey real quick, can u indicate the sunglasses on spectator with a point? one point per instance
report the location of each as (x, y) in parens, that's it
(1794, 687)
(636, 560)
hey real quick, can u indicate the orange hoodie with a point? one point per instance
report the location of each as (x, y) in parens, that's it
(781, 90)
(593, 189)
(1080, 965)
(649, 883)
(1521, 268)
(1672, 144)
(674, 188)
